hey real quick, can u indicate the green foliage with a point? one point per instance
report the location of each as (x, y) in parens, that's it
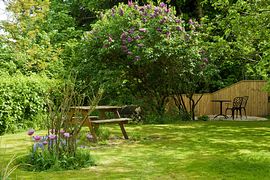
(58, 149)
(9, 169)
(239, 40)
(22, 101)
(203, 118)
(41, 161)
(144, 51)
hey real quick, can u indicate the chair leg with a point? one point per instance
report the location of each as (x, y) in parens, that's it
(245, 112)
(233, 114)
(240, 113)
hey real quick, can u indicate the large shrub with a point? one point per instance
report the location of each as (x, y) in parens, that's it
(22, 101)
(146, 49)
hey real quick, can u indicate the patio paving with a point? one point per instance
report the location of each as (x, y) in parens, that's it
(249, 118)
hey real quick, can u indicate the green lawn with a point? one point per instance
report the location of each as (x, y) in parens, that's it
(189, 150)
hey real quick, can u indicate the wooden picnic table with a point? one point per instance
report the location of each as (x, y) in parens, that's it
(94, 121)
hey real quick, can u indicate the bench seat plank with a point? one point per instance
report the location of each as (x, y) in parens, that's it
(110, 120)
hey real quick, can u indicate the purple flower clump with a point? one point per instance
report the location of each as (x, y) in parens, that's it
(159, 29)
(137, 37)
(66, 135)
(36, 138)
(129, 39)
(31, 132)
(130, 3)
(52, 136)
(179, 28)
(162, 4)
(44, 142)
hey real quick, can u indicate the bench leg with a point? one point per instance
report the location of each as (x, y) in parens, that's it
(123, 130)
(92, 131)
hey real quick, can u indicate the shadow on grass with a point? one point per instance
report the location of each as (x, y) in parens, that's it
(189, 150)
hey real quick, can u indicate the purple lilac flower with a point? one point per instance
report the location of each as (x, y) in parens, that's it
(137, 37)
(141, 9)
(148, 6)
(136, 7)
(153, 16)
(124, 47)
(130, 3)
(129, 39)
(123, 35)
(167, 10)
(168, 34)
(162, 21)
(66, 135)
(131, 31)
(121, 12)
(62, 131)
(142, 30)
(124, 42)
(190, 21)
(177, 21)
(31, 132)
(145, 13)
(159, 29)
(156, 10)
(162, 5)
(144, 20)
(89, 136)
(52, 136)
(36, 138)
(110, 39)
(179, 28)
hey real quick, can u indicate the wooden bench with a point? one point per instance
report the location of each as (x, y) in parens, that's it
(93, 125)
(93, 121)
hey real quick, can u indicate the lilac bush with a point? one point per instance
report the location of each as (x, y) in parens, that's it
(149, 50)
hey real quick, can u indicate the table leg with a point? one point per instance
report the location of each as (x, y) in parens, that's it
(220, 111)
(123, 130)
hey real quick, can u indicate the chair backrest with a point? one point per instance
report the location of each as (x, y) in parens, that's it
(237, 102)
(244, 102)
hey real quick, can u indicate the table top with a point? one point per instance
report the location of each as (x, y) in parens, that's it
(97, 107)
(221, 100)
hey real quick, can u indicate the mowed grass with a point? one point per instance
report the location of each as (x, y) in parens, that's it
(189, 150)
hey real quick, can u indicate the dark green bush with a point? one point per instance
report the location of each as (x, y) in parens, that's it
(22, 101)
(203, 118)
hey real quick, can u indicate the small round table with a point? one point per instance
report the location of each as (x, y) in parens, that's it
(220, 106)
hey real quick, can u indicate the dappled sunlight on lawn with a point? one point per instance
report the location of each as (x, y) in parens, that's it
(189, 150)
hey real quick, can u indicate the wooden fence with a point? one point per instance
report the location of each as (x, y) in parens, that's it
(258, 102)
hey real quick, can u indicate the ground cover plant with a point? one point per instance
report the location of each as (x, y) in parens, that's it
(189, 150)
